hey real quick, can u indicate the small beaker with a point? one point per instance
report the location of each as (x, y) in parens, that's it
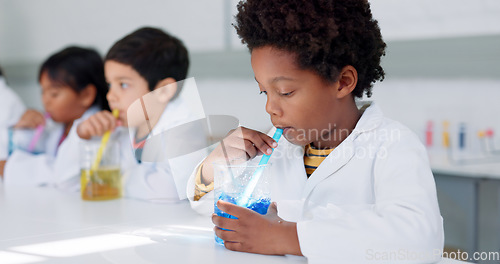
(103, 182)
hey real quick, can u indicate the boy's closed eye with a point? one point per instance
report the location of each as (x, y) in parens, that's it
(283, 94)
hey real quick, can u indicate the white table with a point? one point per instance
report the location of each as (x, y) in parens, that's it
(42, 225)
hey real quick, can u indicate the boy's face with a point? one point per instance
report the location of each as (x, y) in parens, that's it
(125, 86)
(60, 101)
(298, 100)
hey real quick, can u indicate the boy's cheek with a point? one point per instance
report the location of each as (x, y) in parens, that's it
(134, 116)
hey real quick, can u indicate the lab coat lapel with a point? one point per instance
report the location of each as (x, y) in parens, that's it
(336, 160)
(370, 120)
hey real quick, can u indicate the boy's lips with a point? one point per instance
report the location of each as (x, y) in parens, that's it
(285, 128)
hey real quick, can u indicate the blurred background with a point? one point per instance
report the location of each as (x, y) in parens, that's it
(442, 64)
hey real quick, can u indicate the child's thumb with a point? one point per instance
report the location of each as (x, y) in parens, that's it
(274, 206)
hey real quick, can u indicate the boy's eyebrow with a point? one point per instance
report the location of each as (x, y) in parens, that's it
(119, 78)
(277, 79)
(123, 78)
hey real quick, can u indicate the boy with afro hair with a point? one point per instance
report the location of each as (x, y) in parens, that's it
(348, 184)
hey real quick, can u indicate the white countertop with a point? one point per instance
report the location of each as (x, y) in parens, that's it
(43, 225)
(471, 167)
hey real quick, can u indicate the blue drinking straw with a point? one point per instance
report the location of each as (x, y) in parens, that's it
(243, 201)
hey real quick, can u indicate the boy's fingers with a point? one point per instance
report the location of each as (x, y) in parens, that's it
(32, 123)
(234, 210)
(88, 130)
(226, 235)
(234, 246)
(242, 147)
(39, 119)
(250, 149)
(82, 131)
(108, 121)
(257, 141)
(232, 153)
(273, 207)
(96, 126)
(269, 140)
(224, 222)
(113, 121)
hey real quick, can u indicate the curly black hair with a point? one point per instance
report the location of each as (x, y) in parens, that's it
(325, 35)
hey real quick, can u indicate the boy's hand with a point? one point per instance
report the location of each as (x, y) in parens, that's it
(2, 167)
(241, 143)
(255, 233)
(30, 119)
(97, 125)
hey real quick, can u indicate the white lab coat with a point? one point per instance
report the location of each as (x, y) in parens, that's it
(159, 179)
(56, 166)
(372, 200)
(11, 110)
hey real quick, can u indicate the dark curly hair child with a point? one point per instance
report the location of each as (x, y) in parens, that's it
(350, 184)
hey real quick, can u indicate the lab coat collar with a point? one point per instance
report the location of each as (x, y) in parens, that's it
(343, 153)
(371, 119)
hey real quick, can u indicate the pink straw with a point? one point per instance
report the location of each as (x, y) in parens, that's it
(38, 134)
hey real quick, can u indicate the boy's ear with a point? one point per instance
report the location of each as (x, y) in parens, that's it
(88, 95)
(165, 89)
(347, 80)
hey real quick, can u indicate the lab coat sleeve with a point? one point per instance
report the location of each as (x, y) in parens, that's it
(24, 168)
(61, 171)
(164, 180)
(404, 224)
(205, 205)
(150, 181)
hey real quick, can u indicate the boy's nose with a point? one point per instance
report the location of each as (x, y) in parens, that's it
(273, 108)
(45, 101)
(111, 96)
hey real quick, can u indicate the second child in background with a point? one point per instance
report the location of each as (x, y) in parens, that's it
(143, 70)
(73, 88)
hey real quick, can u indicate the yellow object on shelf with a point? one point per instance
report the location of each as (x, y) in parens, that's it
(446, 134)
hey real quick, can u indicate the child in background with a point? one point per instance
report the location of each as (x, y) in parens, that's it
(142, 70)
(350, 186)
(73, 88)
(11, 109)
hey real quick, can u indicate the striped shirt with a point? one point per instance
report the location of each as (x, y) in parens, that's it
(313, 158)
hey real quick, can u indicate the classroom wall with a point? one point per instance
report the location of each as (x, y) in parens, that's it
(29, 30)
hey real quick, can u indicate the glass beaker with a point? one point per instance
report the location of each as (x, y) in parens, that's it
(105, 181)
(232, 181)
